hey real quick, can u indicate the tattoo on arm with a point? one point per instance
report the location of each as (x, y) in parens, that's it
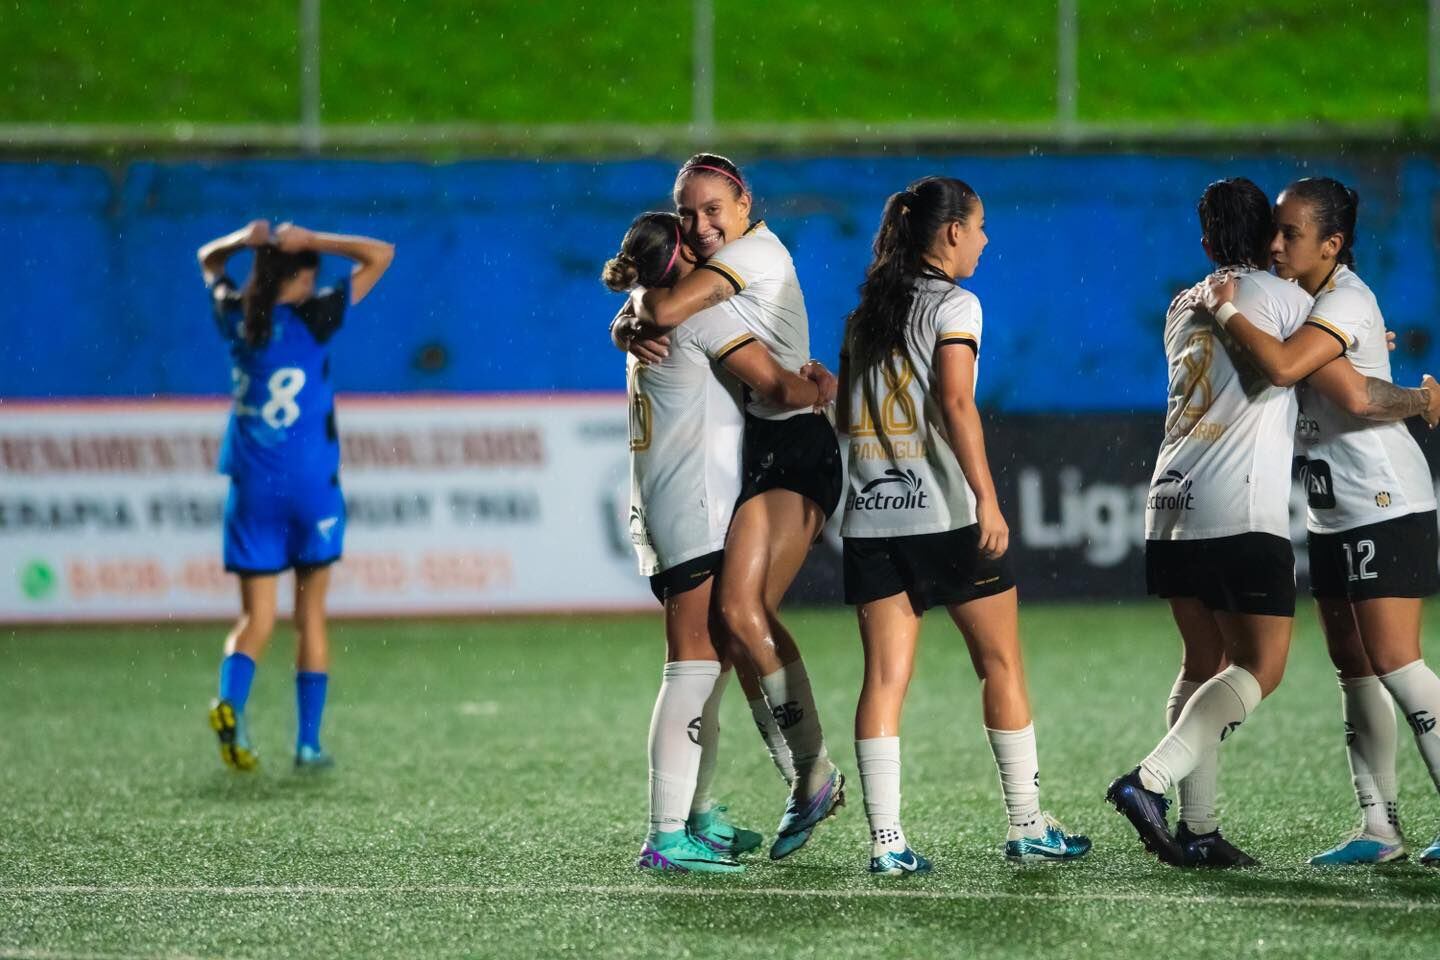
(1385, 401)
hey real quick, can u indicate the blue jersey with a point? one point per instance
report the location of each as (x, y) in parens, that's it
(282, 426)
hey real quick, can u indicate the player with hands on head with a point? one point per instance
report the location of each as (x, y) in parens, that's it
(686, 424)
(1371, 513)
(923, 526)
(281, 452)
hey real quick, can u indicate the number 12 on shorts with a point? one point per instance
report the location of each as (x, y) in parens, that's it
(1366, 551)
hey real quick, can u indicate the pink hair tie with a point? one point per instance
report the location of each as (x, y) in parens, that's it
(666, 272)
(720, 170)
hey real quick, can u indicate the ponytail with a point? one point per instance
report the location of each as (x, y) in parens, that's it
(879, 327)
(272, 268)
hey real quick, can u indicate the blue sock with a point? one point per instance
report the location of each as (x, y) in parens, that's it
(237, 671)
(310, 706)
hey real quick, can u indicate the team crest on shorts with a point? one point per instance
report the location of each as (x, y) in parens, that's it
(1382, 499)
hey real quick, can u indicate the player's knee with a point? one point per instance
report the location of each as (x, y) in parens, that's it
(744, 620)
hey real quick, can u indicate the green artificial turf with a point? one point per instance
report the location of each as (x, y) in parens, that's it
(403, 61)
(490, 799)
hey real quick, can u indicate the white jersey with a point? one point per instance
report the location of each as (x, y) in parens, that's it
(1224, 467)
(768, 301)
(917, 486)
(685, 428)
(1357, 471)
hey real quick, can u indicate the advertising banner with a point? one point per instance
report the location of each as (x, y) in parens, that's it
(113, 510)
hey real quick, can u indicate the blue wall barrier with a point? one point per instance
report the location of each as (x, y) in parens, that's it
(495, 280)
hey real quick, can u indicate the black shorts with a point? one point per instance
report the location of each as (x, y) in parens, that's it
(1392, 558)
(935, 569)
(1250, 573)
(684, 577)
(800, 454)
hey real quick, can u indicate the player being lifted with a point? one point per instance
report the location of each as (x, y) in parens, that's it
(685, 435)
(923, 527)
(282, 455)
(790, 467)
(1371, 516)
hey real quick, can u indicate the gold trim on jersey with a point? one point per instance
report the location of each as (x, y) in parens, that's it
(753, 227)
(1345, 339)
(727, 272)
(745, 339)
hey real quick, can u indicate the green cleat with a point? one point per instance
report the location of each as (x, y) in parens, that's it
(312, 758)
(234, 737)
(681, 851)
(715, 829)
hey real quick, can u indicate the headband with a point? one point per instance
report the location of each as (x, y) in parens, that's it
(720, 170)
(666, 272)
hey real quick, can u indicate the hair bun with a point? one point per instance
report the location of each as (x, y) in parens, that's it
(621, 273)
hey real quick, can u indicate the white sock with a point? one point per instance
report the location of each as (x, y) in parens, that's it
(675, 740)
(1198, 791)
(1220, 705)
(1416, 688)
(879, 761)
(787, 691)
(1369, 714)
(709, 745)
(774, 739)
(1019, 777)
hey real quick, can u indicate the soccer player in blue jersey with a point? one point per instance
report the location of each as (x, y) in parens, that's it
(282, 455)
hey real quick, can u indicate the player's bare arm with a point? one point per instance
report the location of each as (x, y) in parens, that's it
(813, 386)
(372, 257)
(214, 255)
(955, 370)
(1284, 362)
(662, 309)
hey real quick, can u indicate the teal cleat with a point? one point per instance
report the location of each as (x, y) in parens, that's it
(802, 817)
(680, 851)
(312, 758)
(1430, 856)
(1360, 848)
(902, 864)
(715, 829)
(1054, 846)
(234, 736)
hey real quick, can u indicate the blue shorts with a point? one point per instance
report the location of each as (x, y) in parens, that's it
(270, 526)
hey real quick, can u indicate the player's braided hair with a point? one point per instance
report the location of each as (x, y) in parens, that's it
(1333, 207)
(1237, 223)
(272, 268)
(649, 255)
(878, 328)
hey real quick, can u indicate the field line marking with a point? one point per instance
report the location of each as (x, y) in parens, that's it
(307, 890)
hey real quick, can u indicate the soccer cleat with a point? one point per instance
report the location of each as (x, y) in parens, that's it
(1211, 850)
(312, 758)
(1359, 847)
(802, 817)
(902, 864)
(715, 829)
(1146, 812)
(230, 729)
(680, 851)
(1054, 846)
(1430, 856)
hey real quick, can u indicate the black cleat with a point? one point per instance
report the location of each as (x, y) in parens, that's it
(1211, 850)
(1146, 812)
